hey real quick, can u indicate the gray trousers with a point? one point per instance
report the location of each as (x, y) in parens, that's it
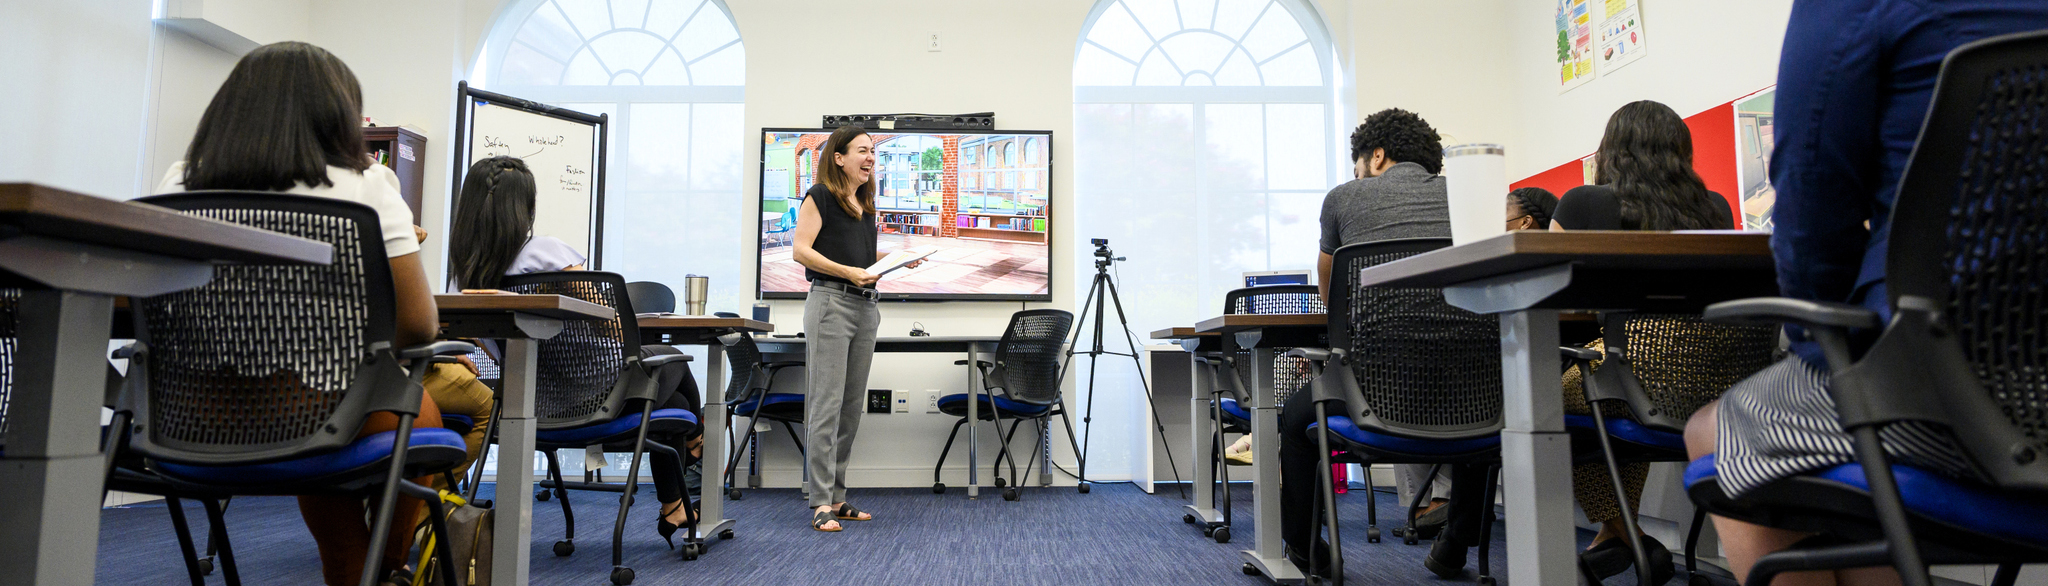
(839, 332)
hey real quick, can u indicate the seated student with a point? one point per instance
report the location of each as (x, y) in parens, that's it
(1644, 181)
(491, 237)
(1529, 208)
(1851, 100)
(289, 119)
(1398, 194)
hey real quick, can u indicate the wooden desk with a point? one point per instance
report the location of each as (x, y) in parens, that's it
(71, 254)
(677, 330)
(973, 346)
(1527, 278)
(1262, 333)
(521, 321)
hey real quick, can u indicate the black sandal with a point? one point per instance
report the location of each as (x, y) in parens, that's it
(846, 512)
(819, 520)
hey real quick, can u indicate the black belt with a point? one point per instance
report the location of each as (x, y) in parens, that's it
(871, 294)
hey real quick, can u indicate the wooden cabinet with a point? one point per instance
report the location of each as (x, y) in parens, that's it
(405, 152)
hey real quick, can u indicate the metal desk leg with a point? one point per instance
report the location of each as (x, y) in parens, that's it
(711, 509)
(974, 423)
(512, 536)
(1536, 452)
(1266, 554)
(53, 472)
(1202, 428)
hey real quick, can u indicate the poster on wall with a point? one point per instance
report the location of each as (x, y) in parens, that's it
(1754, 137)
(1621, 35)
(1575, 48)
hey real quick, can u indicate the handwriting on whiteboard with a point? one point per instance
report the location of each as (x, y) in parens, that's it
(573, 170)
(571, 185)
(546, 140)
(494, 142)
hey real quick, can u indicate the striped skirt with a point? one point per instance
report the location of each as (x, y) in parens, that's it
(1782, 422)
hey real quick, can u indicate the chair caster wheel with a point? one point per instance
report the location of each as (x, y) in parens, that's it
(622, 576)
(732, 494)
(1314, 579)
(1486, 581)
(1222, 535)
(1372, 535)
(1249, 570)
(1001, 483)
(541, 496)
(1010, 494)
(1208, 531)
(691, 551)
(726, 535)
(1189, 519)
(206, 567)
(1409, 538)
(564, 548)
(938, 488)
(1083, 488)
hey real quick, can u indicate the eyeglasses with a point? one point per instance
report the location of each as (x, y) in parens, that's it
(1512, 220)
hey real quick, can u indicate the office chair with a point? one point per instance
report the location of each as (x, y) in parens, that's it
(256, 383)
(651, 297)
(593, 389)
(1964, 351)
(749, 392)
(1689, 362)
(1228, 388)
(1022, 383)
(784, 227)
(1419, 382)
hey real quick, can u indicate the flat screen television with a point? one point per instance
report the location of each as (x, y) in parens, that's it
(981, 199)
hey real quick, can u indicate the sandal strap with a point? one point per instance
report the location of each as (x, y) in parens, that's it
(819, 519)
(846, 511)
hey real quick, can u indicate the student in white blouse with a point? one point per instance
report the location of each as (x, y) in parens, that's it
(288, 119)
(491, 237)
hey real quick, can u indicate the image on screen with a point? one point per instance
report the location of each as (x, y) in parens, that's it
(980, 200)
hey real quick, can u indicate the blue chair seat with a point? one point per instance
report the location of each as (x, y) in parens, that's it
(363, 452)
(1349, 431)
(1927, 494)
(1232, 409)
(613, 428)
(956, 405)
(773, 400)
(1628, 430)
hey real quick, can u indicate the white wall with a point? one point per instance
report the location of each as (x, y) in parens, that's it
(76, 97)
(188, 73)
(1441, 60)
(1701, 54)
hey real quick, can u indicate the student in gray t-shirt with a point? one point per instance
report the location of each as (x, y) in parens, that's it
(1398, 194)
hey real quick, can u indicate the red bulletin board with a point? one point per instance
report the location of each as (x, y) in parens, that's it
(1713, 156)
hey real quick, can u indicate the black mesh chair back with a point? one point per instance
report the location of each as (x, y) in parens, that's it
(1683, 362)
(744, 360)
(10, 300)
(264, 361)
(651, 297)
(1424, 368)
(578, 372)
(1289, 374)
(1028, 358)
(1969, 256)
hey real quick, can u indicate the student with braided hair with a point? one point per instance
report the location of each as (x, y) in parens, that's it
(1529, 208)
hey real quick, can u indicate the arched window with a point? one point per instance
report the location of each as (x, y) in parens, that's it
(1218, 120)
(672, 76)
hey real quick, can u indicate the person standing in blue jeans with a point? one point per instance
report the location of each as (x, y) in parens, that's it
(1854, 83)
(835, 242)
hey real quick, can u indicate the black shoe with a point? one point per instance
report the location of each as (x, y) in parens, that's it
(1661, 570)
(1300, 560)
(1431, 524)
(1608, 558)
(1446, 559)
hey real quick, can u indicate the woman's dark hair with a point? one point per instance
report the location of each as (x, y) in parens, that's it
(1537, 202)
(493, 218)
(835, 178)
(1646, 156)
(287, 112)
(1406, 137)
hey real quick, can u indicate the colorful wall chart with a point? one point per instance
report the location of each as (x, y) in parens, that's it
(1621, 35)
(1575, 49)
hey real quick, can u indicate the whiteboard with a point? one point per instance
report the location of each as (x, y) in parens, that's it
(563, 156)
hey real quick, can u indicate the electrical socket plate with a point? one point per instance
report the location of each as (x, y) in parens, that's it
(931, 401)
(878, 400)
(903, 401)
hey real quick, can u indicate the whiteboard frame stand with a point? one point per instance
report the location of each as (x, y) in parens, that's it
(463, 96)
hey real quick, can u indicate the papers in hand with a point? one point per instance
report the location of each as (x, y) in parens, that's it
(897, 259)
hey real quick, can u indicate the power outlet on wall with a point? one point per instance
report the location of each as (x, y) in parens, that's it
(931, 401)
(879, 400)
(931, 42)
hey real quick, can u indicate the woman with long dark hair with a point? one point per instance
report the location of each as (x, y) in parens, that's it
(835, 242)
(491, 237)
(1645, 181)
(289, 119)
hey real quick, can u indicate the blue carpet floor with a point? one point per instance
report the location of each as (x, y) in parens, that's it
(1116, 534)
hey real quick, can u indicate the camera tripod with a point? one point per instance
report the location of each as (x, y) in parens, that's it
(1101, 293)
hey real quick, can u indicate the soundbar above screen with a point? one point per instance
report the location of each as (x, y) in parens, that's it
(979, 199)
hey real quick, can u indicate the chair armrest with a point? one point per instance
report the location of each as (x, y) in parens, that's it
(658, 360)
(438, 348)
(1777, 310)
(781, 364)
(1319, 355)
(125, 352)
(983, 363)
(1577, 353)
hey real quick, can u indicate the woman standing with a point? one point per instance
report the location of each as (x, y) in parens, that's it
(835, 242)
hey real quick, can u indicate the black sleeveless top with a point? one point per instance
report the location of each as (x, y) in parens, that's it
(842, 239)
